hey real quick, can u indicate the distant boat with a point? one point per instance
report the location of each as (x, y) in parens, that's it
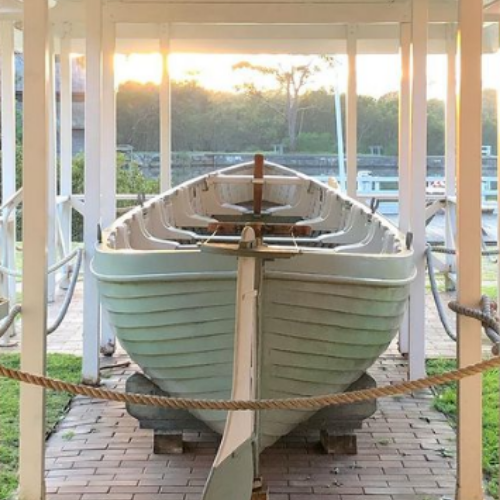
(322, 289)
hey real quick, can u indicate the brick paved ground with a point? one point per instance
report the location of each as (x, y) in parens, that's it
(406, 450)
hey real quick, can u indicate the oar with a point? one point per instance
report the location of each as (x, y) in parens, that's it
(232, 473)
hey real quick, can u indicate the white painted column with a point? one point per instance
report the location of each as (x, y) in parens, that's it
(450, 143)
(35, 226)
(469, 166)
(66, 143)
(51, 279)
(418, 171)
(165, 112)
(92, 207)
(404, 156)
(8, 96)
(498, 163)
(352, 113)
(108, 170)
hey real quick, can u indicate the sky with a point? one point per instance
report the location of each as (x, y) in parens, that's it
(377, 74)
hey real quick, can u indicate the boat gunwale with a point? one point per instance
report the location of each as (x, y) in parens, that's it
(403, 251)
(271, 275)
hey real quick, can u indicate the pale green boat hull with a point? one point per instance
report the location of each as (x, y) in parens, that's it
(324, 320)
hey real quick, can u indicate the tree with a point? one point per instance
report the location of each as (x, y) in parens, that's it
(138, 116)
(291, 81)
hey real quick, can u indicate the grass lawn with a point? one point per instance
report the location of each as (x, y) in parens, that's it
(446, 402)
(489, 278)
(62, 366)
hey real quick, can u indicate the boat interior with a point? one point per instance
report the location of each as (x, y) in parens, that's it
(286, 207)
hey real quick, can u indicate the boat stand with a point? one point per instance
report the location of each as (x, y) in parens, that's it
(335, 425)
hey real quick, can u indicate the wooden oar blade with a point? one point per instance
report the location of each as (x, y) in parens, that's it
(233, 477)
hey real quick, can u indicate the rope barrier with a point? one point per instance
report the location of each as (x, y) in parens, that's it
(55, 267)
(452, 251)
(435, 293)
(305, 403)
(490, 325)
(69, 294)
(6, 323)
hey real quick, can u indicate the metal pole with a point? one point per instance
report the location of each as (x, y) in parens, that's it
(340, 136)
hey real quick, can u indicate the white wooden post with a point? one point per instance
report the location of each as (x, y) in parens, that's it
(404, 156)
(66, 144)
(92, 210)
(8, 91)
(418, 171)
(351, 113)
(165, 112)
(450, 145)
(469, 162)
(108, 169)
(35, 226)
(51, 279)
(498, 165)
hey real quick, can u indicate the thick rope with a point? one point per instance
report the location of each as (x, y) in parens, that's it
(491, 333)
(435, 294)
(451, 251)
(486, 320)
(6, 323)
(51, 269)
(306, 403)
(69, 294)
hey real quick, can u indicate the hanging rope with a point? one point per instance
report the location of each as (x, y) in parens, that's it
(435, 293)
(55, 267)
(484, 315)
(7, 322)
(69, 294)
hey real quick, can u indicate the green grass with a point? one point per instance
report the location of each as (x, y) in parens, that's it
(488, 278)
(62, 366)
(446, 402)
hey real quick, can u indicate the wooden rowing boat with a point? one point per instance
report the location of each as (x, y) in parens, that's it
(325, 290)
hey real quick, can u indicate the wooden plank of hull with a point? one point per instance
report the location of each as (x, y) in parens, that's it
(308, 346)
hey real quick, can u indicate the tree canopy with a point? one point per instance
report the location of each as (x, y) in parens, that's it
(207, 120)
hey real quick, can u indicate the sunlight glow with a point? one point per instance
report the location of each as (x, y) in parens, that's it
(377, 74)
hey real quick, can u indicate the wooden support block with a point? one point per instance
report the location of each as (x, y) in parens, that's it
(260, 495)
(168, 443)
(339, 444)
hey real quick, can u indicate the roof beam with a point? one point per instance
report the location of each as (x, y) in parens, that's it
(268, 13)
